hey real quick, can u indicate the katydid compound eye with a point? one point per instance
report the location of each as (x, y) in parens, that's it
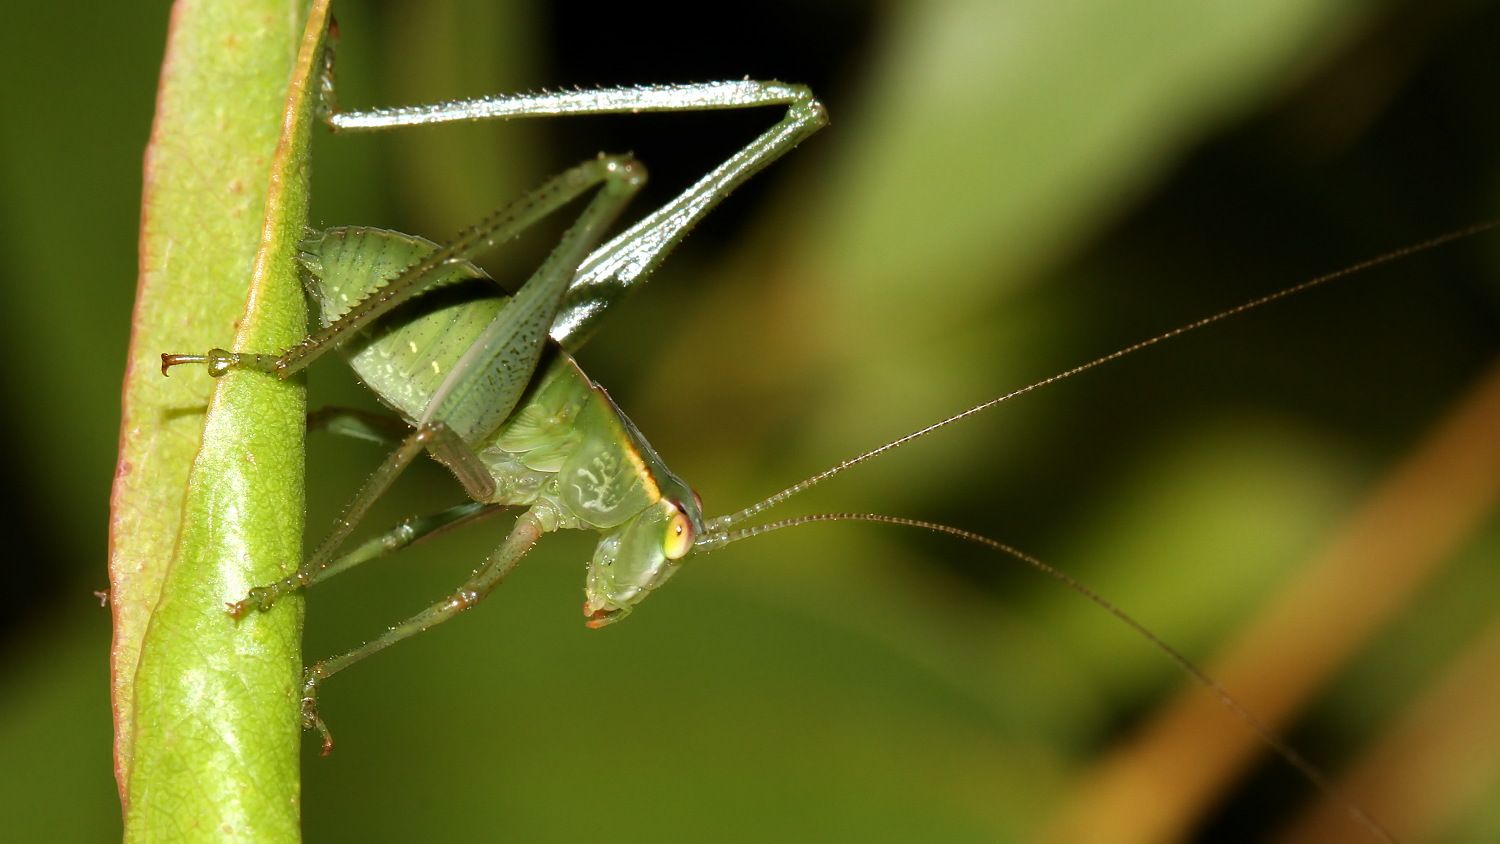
(679, 538)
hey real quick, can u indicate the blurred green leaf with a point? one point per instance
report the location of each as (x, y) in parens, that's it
(996, 136)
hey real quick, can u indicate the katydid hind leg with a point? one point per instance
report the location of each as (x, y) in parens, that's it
(615, 268)
(523, 535)
(485, 385)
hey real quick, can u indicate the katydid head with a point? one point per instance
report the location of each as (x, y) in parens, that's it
(639, 555)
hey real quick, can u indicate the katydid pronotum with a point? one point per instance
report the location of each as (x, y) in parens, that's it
(518, 436)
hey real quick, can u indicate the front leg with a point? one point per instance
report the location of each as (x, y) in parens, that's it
(435, 436)
(262, 598)
(527, 530)
(404, 534)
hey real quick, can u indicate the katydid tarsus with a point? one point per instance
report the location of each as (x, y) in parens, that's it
(511, 414)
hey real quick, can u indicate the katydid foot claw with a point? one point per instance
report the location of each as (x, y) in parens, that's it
(311, 720)
(260, 598)
(218, 361)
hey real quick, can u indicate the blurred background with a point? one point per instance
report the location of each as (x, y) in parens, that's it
(1007, 189)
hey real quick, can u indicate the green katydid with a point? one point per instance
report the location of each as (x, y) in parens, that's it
(508, 410)
(554, 442)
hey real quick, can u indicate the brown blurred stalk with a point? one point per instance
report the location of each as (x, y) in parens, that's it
(1158, 784)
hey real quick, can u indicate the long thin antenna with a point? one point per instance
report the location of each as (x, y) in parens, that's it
(721, 524)
(1262, 731)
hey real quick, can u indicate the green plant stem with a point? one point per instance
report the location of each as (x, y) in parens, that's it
(206, 710)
